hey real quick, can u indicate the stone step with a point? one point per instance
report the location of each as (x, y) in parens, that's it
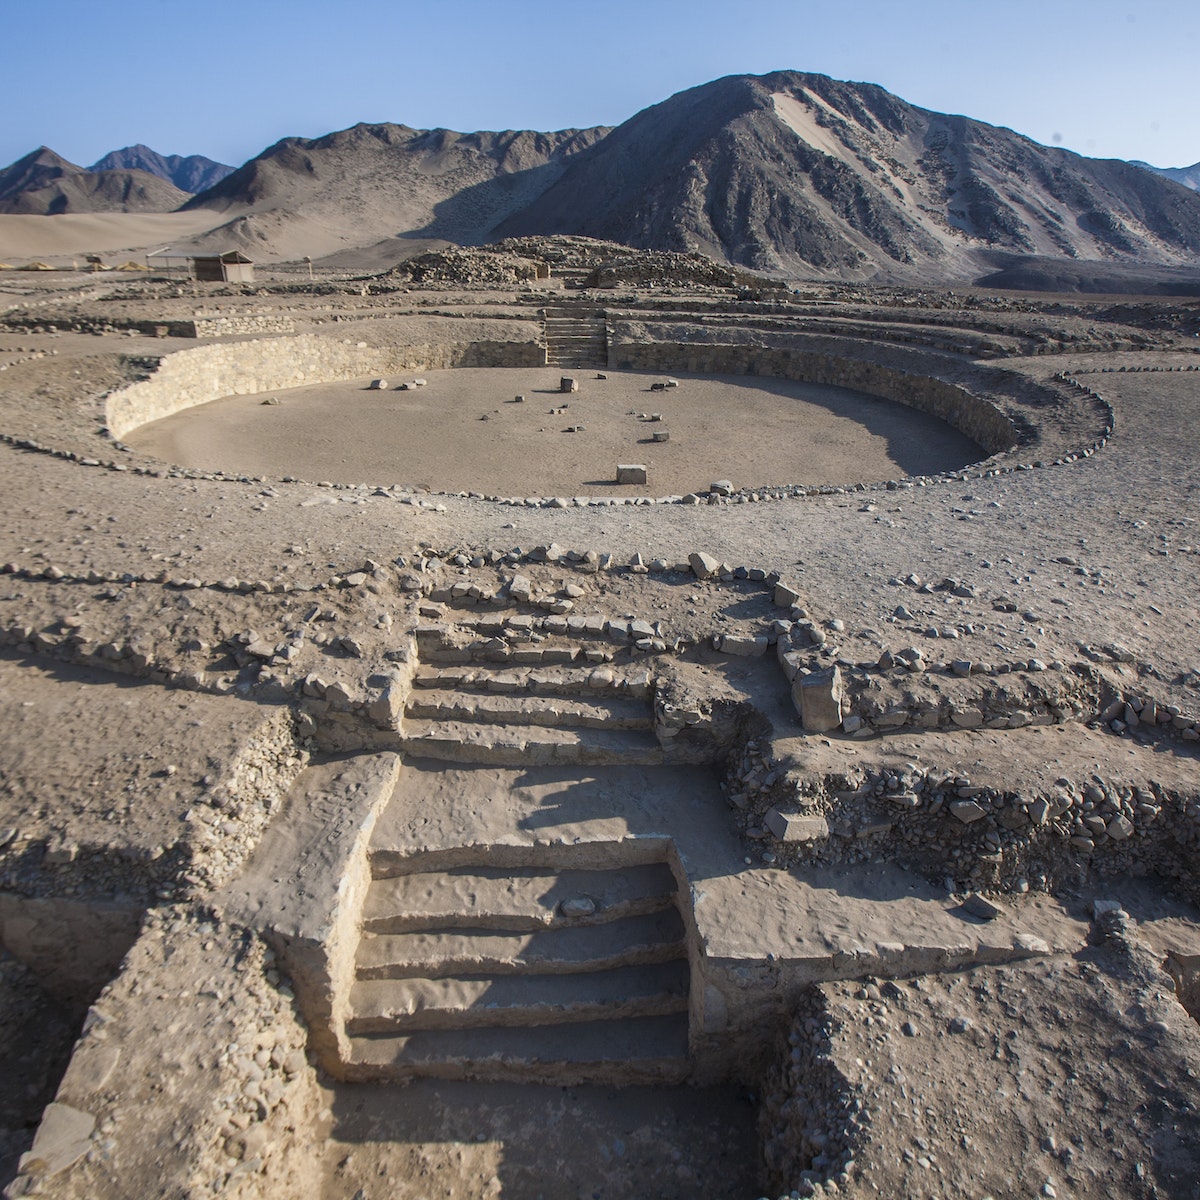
(546, 711)
(415, 1005)
(650, 1050)
(391, 856)
(513, 899)
(500, 655)
(528, 745)
(590, 680)
(628, 941)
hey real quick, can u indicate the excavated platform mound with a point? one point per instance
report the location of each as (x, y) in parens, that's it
(520, 800)
(465, 432)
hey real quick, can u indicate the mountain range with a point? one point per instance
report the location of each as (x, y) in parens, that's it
(792, 173)
(44, 183)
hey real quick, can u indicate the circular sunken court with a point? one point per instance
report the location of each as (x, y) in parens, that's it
(464, 431)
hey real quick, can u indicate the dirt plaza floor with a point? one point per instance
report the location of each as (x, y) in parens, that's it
(465, 432)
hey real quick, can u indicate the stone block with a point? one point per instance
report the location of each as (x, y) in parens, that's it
(703, 565)
(981, 907)
(744, 647)
(967, 811)
(568, 383)
(796, 827)
(785, 596)
(818, 699)
(631, 473)
(791, 662)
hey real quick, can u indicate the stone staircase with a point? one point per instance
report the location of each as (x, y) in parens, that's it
(575, 338)
(557, 701)
(572, 277)
(537, 970)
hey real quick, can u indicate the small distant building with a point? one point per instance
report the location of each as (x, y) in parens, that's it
(231, 267)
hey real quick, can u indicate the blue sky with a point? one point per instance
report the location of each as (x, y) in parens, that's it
(226, 78)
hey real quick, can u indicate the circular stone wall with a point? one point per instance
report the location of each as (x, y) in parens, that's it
(464, 432)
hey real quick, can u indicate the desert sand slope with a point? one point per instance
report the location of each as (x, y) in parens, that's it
(802, 171)
(44, 183)
(76, 234)
(190, 173)
(371, 182)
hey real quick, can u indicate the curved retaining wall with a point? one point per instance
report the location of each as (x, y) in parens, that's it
(978, 419)
(206, 373)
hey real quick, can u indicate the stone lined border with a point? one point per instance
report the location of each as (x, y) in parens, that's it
(792, 631)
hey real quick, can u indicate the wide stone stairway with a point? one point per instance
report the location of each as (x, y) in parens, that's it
(575, 338)
(488, 966)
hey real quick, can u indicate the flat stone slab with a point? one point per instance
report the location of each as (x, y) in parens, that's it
(294, 878)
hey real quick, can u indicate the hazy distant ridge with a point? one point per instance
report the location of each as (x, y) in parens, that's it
(190, 173)
(1188, 176)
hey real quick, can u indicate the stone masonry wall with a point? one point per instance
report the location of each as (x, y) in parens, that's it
(239, 323)
(206, 373)
(979, 420)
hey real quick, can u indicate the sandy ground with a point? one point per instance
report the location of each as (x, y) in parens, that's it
(464, 432)
(463, 1140)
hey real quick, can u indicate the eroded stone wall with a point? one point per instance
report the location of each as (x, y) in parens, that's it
(206, 373)
(979, 420)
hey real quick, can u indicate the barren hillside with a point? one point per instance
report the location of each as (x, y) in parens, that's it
(799, 171)
(372, 182)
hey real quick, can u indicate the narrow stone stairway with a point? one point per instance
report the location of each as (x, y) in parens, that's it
(544, 972)
(563, 706)
(575, 338)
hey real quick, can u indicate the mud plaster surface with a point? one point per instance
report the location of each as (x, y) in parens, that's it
(463, 432)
